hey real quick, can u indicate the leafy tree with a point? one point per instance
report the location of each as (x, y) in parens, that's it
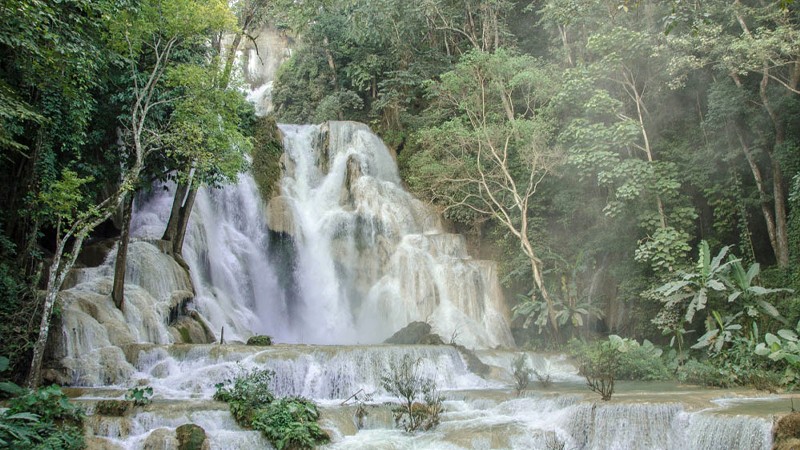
(157, 27)
(489, 156)
(749, 45)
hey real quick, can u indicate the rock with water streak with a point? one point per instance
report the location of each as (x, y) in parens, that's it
(279, 215)
(99, 443)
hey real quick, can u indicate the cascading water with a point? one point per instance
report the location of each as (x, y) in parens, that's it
(370, 258)
(367, 257)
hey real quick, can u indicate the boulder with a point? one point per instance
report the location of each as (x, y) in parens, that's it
(191, 437)
(161, 439)
(786, 433)
(411, 334)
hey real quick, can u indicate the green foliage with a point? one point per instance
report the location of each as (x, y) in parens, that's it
(599, 363)
(723, 285)
(262, 340)
(206, 132)
(522, 373)
(42, 419)
(783, 347)
(420, 400)
(267, 151)
(62, 199)
(644, 362)
(703, 373)
(250, 391)
(632, 361)
(140, 396)
(288, 423)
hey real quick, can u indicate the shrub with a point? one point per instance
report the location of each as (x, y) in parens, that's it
(249, 392)
(704, 374)
(642, 362)
(42, 419)
(288, 423)
(522, 373)
(260, 340)
(599, 362)
(420, 400)
(140, 396)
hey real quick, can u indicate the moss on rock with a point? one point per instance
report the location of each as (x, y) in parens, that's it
(114, 408)
(191, 437)
(267, 151)
(786, 433)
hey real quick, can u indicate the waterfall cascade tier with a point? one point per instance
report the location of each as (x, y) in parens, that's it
(369, 257)
(479, 413)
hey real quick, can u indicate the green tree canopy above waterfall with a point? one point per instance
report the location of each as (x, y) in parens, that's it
(97, 94)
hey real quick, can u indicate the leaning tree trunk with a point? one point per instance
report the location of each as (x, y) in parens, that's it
(172, 224)
(55, 278)
(183, 223)
(118, 291)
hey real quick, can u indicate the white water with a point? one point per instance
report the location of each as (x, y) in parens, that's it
(370, 257)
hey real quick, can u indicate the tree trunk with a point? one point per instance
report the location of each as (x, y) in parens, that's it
(55, 279)
(183, 222)
(331, 62)
(539, 281)
(229, 60)
(781, 221)
(118, 291)
(172, 224)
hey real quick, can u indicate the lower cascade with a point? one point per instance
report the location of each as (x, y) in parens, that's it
(342, 255)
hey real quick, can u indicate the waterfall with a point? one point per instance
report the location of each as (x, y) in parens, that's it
(370, 258)
(366, 258)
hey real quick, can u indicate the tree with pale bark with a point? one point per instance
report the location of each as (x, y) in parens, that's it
(489, 156)
(157, 29)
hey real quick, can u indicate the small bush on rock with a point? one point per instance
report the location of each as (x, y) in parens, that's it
(260, 340)
(288, 423)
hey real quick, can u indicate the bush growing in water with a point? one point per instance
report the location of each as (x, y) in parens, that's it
(288, 423)
(420, 401)
(522, 373)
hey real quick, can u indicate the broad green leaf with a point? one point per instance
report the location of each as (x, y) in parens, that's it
(789, 335)
(771, 339)
(716, 285)
(768, 308)
(734, 296)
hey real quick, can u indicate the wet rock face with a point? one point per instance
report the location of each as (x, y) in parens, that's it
(415, 333)
(161, 439)
(787, 432)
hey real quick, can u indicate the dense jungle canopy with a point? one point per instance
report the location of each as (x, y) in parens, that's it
(632, 165)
